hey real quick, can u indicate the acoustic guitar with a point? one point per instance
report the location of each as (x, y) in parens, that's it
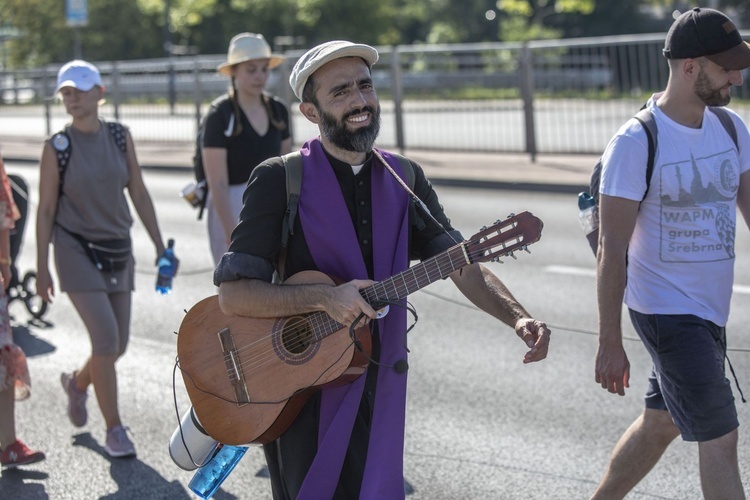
(248, 378)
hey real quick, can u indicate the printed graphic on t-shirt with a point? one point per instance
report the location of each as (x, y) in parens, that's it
(697, 208)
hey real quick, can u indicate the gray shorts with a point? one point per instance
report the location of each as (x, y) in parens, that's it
(688, 375)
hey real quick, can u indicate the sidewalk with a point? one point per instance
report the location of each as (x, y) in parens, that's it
(549, 173)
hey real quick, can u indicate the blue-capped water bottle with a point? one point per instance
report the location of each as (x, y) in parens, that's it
(208, 478)
(588, 215)
(166, 265)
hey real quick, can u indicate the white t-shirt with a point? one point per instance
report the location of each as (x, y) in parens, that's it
(681, 254)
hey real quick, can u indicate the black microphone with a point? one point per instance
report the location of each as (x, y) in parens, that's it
(401, 366)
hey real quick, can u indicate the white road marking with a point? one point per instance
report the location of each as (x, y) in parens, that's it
(591, 273)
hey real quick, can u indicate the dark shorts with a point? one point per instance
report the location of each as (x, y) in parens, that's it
(688, 376)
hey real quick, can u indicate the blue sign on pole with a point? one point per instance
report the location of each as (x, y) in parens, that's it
(77, 12)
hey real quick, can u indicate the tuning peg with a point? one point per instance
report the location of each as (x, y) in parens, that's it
(526, 249)
(511, 215)
(512, 255)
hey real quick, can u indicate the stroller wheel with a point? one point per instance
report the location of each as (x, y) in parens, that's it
(34, 304)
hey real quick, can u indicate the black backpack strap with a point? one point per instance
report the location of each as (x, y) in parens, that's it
(408, 169)
(225, 106)
(646, 119)
(726, 121)
(118, 133)
(61, 144)
(409, 175)
(293, 169)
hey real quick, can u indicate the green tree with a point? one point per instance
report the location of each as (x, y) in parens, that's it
(120, 29)
(45, 37)
(535, 19)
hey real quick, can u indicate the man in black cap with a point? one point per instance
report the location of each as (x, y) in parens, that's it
(676, 233)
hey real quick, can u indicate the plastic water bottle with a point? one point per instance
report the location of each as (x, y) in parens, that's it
(588, 215)
(207, 480)
(166, 265)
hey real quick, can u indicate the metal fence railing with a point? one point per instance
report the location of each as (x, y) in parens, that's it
(560, 96)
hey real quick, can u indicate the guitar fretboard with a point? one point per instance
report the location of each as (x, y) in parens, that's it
(398, 286)
(490, 243)
(416, 277)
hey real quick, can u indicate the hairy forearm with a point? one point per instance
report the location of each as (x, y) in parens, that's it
(489, 293)
(258, 299)
(610, 289)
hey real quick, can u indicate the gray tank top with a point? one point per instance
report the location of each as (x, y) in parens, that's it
(93, 202)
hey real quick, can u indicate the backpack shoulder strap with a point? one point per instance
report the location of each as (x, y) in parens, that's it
(220, 100)
(646, 118)
(408, 168)
(409, 175)
(293, 169)
(61, 144)
(223, 104)
(726, 121)
(118, 133)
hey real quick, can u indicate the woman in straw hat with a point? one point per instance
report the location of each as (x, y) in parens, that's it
(242, 130)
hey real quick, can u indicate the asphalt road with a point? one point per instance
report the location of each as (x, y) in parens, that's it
(480, 425)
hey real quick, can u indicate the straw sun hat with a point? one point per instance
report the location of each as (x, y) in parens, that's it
(247, 47)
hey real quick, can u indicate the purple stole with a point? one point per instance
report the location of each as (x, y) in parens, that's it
(333, 244)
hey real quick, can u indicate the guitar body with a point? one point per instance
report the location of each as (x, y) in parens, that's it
(248, 378)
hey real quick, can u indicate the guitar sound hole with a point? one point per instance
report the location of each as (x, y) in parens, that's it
(297, 336)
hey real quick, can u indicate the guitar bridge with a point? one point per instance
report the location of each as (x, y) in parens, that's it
(234, 368)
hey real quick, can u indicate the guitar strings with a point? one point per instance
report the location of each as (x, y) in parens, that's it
(354, 342)
(424, 270)
(320, 320)
(234, 401)
(296, 326)
(332, 326)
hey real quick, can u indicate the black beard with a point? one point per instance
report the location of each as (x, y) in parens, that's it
(709, 95)
(360, 140)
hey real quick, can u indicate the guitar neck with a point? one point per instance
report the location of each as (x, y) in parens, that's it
(399, 286)
(490, 243)
(416, 277)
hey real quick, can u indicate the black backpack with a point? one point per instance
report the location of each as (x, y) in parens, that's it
(646, 118)
(199, 173)
(61, 144)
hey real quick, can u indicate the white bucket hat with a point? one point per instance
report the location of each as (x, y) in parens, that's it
(78, 74)
(324, 53)
(246, 47)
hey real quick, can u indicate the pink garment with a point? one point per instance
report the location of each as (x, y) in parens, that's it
(14, 370)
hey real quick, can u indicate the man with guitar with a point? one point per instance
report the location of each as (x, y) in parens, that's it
(357, 224)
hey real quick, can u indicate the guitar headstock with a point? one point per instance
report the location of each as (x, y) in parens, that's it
(504, 237)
